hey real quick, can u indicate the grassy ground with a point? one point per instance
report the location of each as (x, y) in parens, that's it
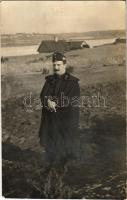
(102, 129)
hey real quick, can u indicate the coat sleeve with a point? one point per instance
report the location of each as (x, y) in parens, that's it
(71, 111)
(75, 91)
(73, 94)
(75, 103)
(43, 95)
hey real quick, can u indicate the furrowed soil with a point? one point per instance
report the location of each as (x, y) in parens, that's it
(100, 172)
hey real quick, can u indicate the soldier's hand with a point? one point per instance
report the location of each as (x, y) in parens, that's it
(51, 105)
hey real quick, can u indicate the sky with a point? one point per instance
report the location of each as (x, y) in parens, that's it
(61, 16)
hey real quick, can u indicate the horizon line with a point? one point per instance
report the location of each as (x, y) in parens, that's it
(62, 32)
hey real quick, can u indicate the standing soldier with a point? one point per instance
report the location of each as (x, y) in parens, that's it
(60, 113)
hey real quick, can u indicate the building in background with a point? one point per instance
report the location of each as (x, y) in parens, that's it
(48, 46)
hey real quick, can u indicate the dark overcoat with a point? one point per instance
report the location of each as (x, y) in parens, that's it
(59, 130)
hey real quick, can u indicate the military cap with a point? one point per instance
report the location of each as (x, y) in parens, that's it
(57, 56)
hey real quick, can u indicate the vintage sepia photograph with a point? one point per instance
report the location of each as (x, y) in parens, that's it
(63, 99)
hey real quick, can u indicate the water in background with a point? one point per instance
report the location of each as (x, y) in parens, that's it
(19, 51)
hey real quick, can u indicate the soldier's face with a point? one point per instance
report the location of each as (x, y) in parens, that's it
(59, 67)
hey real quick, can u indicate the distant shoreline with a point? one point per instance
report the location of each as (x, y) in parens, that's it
(18, 45)
(24, 39)
(33, 44)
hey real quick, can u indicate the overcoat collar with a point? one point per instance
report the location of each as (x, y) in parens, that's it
(52, 78)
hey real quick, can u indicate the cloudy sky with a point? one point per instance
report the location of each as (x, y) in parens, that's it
(61, 16)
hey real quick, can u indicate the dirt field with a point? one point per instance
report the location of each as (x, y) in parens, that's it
(101, 72)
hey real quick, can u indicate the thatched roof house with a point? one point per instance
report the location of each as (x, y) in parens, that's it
(48, 46)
